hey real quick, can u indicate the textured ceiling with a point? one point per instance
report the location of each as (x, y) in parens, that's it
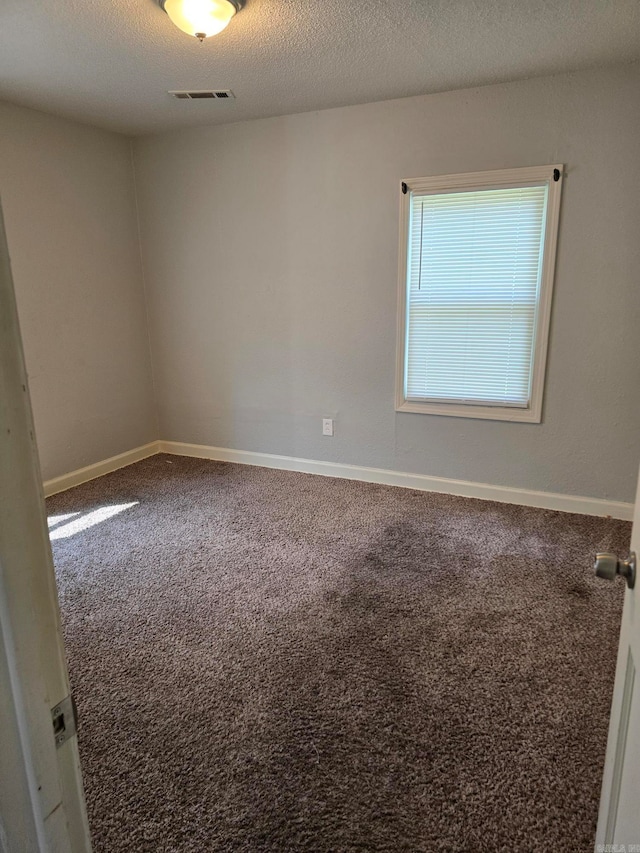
(111, 62)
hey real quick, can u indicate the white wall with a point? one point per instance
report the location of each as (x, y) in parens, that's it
(270, 251)
(69, 204)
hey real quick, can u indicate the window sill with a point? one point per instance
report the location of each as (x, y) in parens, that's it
(494, 413)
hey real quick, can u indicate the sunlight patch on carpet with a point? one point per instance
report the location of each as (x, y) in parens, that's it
(90, 519)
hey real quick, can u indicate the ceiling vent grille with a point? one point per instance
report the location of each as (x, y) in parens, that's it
(198, 94)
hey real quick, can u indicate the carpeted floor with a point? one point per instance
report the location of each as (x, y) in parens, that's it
(271, 661)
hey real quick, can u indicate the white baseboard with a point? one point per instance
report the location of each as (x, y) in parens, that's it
(422, 482)
(90, 472)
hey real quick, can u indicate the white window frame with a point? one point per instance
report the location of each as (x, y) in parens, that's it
(499, 179)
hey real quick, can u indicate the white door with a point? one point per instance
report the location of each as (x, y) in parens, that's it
(42, 806)
(619, 818)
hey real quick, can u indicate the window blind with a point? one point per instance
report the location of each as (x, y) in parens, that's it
(474, 271)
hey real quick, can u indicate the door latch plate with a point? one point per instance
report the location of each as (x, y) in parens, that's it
(64, 719)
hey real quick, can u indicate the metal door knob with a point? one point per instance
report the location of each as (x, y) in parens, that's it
(607, 566)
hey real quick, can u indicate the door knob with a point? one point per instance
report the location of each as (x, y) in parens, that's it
(608, 566)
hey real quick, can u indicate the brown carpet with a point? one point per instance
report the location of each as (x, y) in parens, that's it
(271, 661)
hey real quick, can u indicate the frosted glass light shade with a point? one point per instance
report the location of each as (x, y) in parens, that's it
(200, 18)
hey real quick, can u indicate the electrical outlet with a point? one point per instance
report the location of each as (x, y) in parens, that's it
(327, 426)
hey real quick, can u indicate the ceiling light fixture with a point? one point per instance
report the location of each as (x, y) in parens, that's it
(201, 18)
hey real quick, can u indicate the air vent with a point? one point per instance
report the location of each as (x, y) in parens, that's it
(197, 94)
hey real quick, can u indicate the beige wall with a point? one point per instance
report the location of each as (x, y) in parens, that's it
(270, 251)
(69, 204)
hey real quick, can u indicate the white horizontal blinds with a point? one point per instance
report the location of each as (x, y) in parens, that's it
(474, 270)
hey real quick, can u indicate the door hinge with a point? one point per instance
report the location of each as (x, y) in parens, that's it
(65, 720)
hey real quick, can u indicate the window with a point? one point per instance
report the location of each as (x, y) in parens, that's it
(476, 274)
